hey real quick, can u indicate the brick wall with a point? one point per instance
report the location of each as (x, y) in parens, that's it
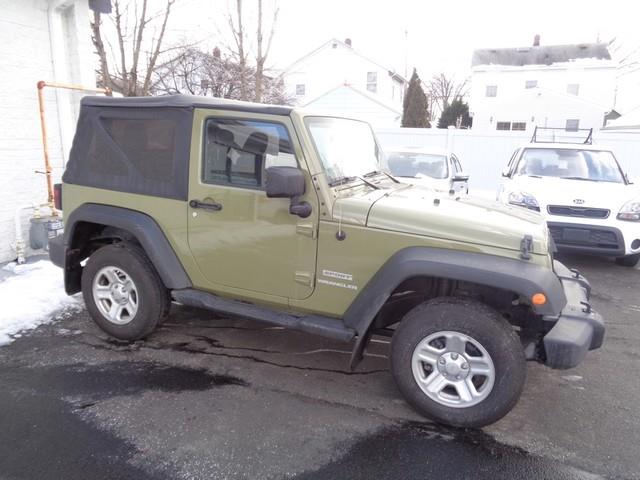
(29, 52)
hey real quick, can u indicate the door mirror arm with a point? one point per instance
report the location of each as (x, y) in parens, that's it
(299, 207)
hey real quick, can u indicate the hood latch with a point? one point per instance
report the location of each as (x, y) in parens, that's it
(526, 247)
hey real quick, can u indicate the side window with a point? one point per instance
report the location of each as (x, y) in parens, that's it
(237, 152)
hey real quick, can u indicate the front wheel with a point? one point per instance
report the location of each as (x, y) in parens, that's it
(458, 362)
(629, 260)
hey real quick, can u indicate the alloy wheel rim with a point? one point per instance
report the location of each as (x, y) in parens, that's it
(453, 369)
(115, 294)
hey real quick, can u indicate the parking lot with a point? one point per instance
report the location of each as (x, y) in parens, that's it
(207, 397)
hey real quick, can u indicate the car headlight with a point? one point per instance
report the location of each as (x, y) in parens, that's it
(630, 211)
(523, 199)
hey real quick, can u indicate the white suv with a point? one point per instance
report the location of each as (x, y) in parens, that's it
(588, 201)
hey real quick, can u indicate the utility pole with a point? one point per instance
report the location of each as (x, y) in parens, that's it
(406, 47)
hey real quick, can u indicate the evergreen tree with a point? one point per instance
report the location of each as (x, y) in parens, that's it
(457, 111)
(415, 108)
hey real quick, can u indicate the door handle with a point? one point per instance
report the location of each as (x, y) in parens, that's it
(215, 206)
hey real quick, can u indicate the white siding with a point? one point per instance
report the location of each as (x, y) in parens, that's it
(30, 30)
(596, 80)
(346, 102)
(329, 67)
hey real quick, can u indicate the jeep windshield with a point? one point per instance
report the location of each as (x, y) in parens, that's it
(347, 149)
(590, 165)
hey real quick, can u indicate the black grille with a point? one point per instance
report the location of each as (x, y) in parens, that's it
(588, 237)
(583, 212)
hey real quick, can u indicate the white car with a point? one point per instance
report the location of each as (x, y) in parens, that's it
(589, 203)
(437, 169)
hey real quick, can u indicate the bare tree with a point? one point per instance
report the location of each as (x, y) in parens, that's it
(443, 89)
(197, 72)
(100, 50)
(131, 79)
(261, 55)
(239, 38)
(241, 48)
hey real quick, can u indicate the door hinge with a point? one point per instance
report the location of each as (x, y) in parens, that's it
(304, 278)
(306, 229)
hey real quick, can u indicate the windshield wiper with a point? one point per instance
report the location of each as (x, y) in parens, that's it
(580, 178)
(343, 180)
(371, 184)
(381, 172)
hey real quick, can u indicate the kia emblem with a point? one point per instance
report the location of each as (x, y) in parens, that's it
(578, 201)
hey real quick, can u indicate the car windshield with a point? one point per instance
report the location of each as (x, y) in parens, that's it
(409, 164)
(347, 148)
(593, 165)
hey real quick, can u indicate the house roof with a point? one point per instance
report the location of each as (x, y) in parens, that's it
(628, 121)
(185, 101)
(340, 44)
(540, 55)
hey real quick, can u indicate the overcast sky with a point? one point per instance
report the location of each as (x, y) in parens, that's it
(441, 35)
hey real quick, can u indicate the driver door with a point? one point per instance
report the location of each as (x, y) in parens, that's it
(241, 240)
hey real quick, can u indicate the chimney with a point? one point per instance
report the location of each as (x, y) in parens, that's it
(536, 41)
(348, 42)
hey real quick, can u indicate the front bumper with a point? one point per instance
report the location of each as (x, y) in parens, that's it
(578, 328)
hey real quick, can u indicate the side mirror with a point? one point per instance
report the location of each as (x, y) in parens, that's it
(288, 182)
(284, 182)
(460, 177)
(629, 179)
(506, 172)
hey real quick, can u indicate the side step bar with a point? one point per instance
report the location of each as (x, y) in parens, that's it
(315, 324)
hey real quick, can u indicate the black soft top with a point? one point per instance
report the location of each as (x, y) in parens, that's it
(185, 101)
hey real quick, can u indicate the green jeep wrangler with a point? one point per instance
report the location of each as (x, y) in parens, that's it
(282, 216)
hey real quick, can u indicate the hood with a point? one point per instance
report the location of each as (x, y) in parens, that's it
(422, 211)
(562, 191)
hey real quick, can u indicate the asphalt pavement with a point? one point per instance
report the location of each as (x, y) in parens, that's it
(207, 397)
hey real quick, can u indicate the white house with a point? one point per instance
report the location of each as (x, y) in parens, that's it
(46, 40)
(561, 86)
(337, 79)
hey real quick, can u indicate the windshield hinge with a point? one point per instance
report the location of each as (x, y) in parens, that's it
(526, 247)
(306, 229)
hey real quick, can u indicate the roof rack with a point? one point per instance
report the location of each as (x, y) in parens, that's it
(588, 140)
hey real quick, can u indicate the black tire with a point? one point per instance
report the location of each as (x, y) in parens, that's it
(629, 260)
(482, 324)
(153, 299)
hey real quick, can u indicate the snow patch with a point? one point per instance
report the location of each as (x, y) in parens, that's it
(30, 297)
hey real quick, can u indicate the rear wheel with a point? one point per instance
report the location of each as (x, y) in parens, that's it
(458, 362)
(123, 293)
(629, 260)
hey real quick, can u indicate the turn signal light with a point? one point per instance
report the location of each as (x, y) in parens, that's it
(539, 299)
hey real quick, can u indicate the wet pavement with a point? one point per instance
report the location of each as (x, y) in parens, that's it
(206, 397)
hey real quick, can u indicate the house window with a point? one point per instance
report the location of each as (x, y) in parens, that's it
(519, 126)
(372, 81)
(503, 126)
(531, 84)
(300, 89)
(492, 91)
(573, 89)
(572, 125)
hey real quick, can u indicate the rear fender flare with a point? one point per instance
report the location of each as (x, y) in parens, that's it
(142, 227)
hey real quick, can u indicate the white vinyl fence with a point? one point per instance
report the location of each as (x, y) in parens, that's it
(484, 155)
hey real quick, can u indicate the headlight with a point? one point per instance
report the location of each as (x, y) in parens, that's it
(630, 211)
(523, 199)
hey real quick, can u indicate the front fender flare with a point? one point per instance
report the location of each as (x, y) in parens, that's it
(518, 276)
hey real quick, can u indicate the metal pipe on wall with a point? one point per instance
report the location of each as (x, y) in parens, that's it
(43, 127)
